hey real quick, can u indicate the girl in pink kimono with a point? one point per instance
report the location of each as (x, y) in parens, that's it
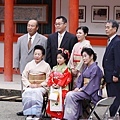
(59, 78)
(76, 63)
(88, 86)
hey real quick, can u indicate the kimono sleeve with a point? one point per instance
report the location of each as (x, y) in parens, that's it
(50, 79)
(25, 80)
(94, 83)
(66, 79)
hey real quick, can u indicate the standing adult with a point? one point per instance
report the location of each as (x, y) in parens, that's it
(59, 39)
(25, 47)
(26, 44)
(111, 64)
(76, 63)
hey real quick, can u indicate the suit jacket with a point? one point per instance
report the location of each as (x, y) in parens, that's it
(67, 43)
(111, 60)
(23, 55)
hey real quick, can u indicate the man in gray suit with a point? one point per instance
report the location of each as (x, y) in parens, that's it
(24, 48)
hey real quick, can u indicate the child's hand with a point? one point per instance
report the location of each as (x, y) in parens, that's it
(74, 72)
(55, 86)
(76, 89)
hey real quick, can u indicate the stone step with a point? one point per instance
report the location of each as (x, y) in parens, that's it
(10, 95)
(10, 92)
(13, 98)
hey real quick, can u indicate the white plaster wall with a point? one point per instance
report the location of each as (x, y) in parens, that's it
(2, 53)
(98, 28)
(95, 28)
(63, 9)
(100, 52)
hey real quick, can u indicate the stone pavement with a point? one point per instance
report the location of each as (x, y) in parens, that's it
(8, 108)
(15, 85)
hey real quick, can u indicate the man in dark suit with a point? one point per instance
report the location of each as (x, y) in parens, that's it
(111, 64)
(59, 39)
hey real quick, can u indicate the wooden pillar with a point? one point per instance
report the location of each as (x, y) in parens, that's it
(8, 40)
(53, 15)
(73, 15)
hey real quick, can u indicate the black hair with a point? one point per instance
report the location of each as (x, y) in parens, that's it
(63, 18)
(84, 28)
(90, 52)
(64, 55)
(114, 24)
(40, 47)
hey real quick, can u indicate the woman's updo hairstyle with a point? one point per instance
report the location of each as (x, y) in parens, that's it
(90, 52)
(84, 28)
(40, 47)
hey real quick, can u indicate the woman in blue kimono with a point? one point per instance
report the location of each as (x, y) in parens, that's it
(88, 86)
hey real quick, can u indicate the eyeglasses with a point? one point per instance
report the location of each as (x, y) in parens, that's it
(58, 24)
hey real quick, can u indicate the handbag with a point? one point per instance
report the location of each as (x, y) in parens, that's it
(55, 98)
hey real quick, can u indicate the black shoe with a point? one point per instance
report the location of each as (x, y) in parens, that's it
(20, 113)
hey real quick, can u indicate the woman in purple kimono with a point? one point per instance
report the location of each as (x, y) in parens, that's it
(88, 86)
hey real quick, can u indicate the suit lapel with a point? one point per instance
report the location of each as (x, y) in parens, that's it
(55, 40)
(109, 47)
(25, 42)
(64, 40)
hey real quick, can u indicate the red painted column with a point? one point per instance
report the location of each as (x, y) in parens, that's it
(8, 40)
(73, 15)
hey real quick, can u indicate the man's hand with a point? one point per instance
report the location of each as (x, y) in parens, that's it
(115, 79)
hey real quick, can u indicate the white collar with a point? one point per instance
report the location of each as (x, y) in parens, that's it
(112, 37)
(61, 34)
(33, 37)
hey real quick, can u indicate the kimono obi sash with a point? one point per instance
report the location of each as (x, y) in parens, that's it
(36, 78)
(86, 81)
(76, 58)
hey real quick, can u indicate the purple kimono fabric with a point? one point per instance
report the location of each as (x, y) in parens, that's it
(73, 101)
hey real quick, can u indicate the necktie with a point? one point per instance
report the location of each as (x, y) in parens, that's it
(29, 43)
(108, 42)
(59, 41)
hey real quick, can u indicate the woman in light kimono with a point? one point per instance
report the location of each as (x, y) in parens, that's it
(35, 85)
(88, 86)
(76, 63)
(59, 79)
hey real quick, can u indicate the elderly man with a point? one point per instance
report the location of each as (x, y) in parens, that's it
(25, 46)
(111, 64)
